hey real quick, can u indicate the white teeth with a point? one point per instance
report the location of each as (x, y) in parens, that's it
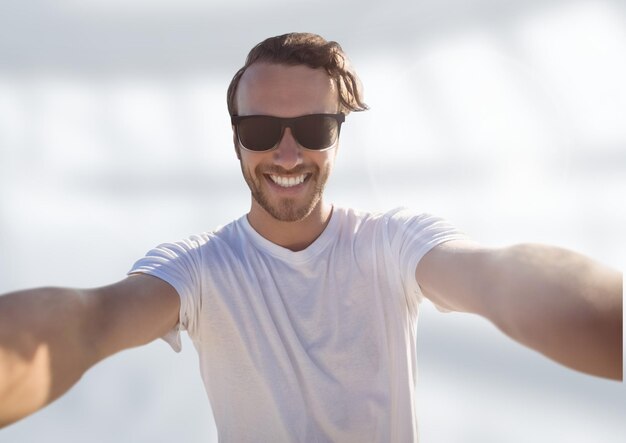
(288, 182)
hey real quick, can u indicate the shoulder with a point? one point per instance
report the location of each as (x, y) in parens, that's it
(194, 248)
(396, 227)
(399, 213)
(221, 236)
(352, 222)
(393, 221)
(352, 216)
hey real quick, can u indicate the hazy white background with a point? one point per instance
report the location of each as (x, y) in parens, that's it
(508, 117)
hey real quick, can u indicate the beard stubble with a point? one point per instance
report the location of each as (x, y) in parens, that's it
(287, 209)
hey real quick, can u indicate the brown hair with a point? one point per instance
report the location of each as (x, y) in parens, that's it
(310, 50)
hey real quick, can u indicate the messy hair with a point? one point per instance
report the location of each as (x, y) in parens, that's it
(309, 50)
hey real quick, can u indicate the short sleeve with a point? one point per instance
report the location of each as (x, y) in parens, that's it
(411, 236)
(178, 264)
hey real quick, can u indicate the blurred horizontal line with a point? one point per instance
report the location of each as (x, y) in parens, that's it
(603, 158)
(455, 340)
(37, 36)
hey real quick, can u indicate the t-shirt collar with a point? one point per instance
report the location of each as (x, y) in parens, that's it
(328, 234)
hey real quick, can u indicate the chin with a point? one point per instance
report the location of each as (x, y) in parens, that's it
(288, 210)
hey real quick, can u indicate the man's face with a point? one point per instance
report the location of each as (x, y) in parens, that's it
(286, 182)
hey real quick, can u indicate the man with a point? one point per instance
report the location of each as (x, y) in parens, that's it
(304, 314)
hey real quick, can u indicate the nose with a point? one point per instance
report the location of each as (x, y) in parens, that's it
(288, 154)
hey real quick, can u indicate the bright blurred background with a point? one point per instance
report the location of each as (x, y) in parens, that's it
(507, 117)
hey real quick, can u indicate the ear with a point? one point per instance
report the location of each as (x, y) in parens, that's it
(236, 144)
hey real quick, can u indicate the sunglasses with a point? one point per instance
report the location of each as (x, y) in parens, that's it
(315, 132)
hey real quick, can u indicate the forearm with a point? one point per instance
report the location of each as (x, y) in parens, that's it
(42, 350)
(561, 304)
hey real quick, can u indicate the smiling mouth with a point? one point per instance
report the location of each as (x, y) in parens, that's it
(288, 182)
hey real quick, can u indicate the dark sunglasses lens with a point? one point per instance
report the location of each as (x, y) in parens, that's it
(316, 131)
(259, 133)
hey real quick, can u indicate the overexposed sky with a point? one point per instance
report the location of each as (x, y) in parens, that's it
(506, 117)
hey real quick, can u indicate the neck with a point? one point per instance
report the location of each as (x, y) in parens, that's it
(295, 236)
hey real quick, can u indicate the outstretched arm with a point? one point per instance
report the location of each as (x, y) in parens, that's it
(49, 337)
(555, 301)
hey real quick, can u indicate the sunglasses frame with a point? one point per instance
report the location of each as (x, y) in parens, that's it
(286, 122)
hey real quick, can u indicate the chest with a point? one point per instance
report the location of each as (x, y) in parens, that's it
(337, 311)
(301, 340)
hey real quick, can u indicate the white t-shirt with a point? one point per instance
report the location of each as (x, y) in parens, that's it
(316, 345)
